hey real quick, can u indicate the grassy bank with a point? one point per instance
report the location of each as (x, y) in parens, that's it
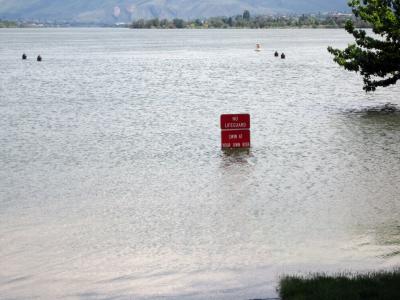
(7, 24)
(377, 286)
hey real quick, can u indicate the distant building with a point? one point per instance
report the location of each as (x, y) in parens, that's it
(341, 16)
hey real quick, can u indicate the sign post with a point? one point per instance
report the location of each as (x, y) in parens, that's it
(235, 131)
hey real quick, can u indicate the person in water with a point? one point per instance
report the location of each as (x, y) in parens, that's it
(276, 54)
(283, 56)
(24, 56)
(39, 58)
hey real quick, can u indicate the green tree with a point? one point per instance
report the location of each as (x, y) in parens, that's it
(198, 23)
(230, 22)
(246, 15)
(376, 57)
(178, 23)
(215, 22)
(155, 23)
(164, 23)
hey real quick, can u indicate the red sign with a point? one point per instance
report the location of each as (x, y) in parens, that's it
(241, 121)
(235, 138)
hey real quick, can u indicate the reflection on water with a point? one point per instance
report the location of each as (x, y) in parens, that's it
(236, 157)
(378, 110)
(113, 183)
(375, 138)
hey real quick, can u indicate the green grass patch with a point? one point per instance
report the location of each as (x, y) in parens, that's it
(376, 285)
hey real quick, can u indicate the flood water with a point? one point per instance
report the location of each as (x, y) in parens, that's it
(113, 184)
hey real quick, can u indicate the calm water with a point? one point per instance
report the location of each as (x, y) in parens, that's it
(113, 184)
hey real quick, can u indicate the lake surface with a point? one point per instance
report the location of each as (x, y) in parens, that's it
(113, 184)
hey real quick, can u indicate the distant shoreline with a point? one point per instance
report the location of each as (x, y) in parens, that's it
(245, 21)
(244, 28)
(8, 24)
(166, 29)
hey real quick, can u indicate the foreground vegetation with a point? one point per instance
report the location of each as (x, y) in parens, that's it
(376, 286)
(248, 21)
(375, 57)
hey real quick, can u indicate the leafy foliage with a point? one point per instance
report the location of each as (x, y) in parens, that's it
(377, 57)
(246, 15)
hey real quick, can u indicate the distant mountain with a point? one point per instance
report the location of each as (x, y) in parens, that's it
(112, 11)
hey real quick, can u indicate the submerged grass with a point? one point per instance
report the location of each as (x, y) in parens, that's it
(376, 286)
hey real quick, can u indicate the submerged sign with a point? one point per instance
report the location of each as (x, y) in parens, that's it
(235, 131)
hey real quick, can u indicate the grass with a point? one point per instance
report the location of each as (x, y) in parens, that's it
(376, 286)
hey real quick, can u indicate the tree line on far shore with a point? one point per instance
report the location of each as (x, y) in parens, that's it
(247, 21)
(7, 24)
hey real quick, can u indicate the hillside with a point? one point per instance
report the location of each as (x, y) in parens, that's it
(111, 11)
